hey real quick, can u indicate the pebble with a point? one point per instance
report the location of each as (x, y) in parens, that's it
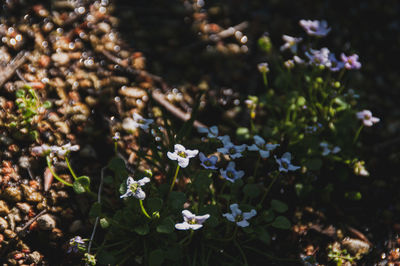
(60, 59)
(30, 194)
(34, 257)
(3, 224)
(46, 222)
(4, 210)
(12, 194)
(132, 92)
(25, 207)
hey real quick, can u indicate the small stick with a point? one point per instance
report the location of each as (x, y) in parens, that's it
(31, 221)
(8, 71)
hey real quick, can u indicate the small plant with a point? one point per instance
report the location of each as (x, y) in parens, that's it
(31, 111)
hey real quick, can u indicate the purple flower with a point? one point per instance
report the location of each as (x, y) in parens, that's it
(212, 132)
(191, 221)
(350, 62)
(238, 217)
(133, 188)
(208, 162)
(76, 244)
(335, 64)
(182, 155)
(315, 27)
(230, 173)
(367, 118)
(290, 43)
(284, 163)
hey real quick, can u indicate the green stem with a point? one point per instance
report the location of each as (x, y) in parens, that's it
(264, 75)
(268, 189)
(144, 210)
(358, 133)
(70, 168)
(241, 252)
(174, 179)
(257, 165)
(54, 174)
(115, 147)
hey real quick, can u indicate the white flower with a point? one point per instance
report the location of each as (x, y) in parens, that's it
(41, 150)
(367, 118)
(133, 188)
(263, 67)
(230, 173)
(182, 155)
(212, 132)
(238, 217)
(359, 169)
(191, 221)
(290, 43)
(138, 121)
(234, 151)
(327, 148)
(284, 163)
(45, 149)
(315, 27)
(260, 146)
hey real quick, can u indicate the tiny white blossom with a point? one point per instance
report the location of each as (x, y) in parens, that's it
(284, 163)
(212, 132)
(367, 118)
(263, 67)
(230, 173)
(133, 188)
(315, 27)
(182, 155)
(260, 146)
(290, 43)
(191, 221)
(45, 149)
(238, 217)
(131, 124)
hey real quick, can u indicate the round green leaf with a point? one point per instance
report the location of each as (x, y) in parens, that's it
(154, 204)
(95, 210)
(142, 229)
(252, 190)
(167, 226)
(81, 184)
(281, 222)
(104, 223)
(156, 257)
(279, 206)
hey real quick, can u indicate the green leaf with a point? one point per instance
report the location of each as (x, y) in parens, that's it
(20, 93)
(314, 164)
(154, 204)
(156, 257)
(47, 104)
(81, 184)
(142, 229)
(177, 199)
(95, 210)
(268, 216)
(116, 164)
(104, 223)
(251, 190)
(281, 222)
(188, 125)
(108, 180)
(279, 206)
(106, 258)
(202, 181)
(263, 235)
(167, 226)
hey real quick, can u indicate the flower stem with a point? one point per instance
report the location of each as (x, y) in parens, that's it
(70, 168)
(264, 75)
(358, 133)
(174, 179)
(144, 210)
(268, 189)
(257, 165)
(55, 175)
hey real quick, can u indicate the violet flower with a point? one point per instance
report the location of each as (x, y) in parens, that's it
(284, 163)
(182, 155)
(319, 57)
(212, 132)
(351, 61)
(230, 173)
(234, 151)
(315, 27)
(76, 244)
(208, 162)
(133, 188)
(238, 217)
(367, 118)
(191, 221)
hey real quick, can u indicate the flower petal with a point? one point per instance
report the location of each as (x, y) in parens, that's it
(202, 157)
(253, 147)
(287, 156)
(214, 131)
(239, 174)
(182, 226)
(213, 159)
(191, 153)
(264, 154)
(250, 214)
(229, 216)
(172, 156)
(187, 215)
(293, 167)
(183, 162)
(235, 209)
(271, 147)
(202, 130)
(243, 223)
(143, 181)
(179, 147)
(140, 194)
(201, 218)
(130, 181)
(259, 140)
(195, 226)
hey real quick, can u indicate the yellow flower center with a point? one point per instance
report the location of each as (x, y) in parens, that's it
(192, 221)
(182, 154)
